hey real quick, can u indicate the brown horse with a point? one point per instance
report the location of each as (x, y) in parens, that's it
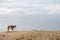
(11, 27)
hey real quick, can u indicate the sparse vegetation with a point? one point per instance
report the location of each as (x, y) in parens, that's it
(3, 35)
(30, 35)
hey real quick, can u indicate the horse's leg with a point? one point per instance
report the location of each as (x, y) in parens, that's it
(8, 28)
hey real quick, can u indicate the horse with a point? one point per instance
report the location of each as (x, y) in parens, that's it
(11, 27)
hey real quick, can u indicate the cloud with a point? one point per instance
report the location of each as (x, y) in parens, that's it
(34, 9)
(39, 9)
(52, 9)
(6, 10)
(25, 3)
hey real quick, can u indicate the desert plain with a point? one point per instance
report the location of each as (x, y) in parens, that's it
(31, 35)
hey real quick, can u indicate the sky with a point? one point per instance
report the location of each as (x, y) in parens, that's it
(30, 14)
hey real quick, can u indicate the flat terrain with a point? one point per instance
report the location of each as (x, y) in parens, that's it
(30, 35)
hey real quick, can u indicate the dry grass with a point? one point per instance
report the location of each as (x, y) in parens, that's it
(30, 35)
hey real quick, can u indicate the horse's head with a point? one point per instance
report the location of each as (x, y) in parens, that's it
(13, 26)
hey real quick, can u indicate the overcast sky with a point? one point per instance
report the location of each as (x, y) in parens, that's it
(30, 14)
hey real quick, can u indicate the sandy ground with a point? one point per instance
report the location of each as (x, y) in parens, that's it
(30, 35)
